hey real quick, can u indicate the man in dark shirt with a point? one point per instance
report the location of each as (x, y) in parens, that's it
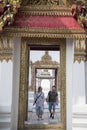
(53, 101)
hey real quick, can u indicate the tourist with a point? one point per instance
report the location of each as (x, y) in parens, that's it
(52, 100)
(39, 100)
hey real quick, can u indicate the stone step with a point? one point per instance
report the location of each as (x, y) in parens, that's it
(79, 119)
(44, 127)
(5, 119)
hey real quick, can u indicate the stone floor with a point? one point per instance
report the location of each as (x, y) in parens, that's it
(32, 118)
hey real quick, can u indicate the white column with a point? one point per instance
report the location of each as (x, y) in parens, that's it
(86, 80)
(79, 108)
(5, 86)
(0, 70)
(16, 80)
(79, 83)
(69, 81)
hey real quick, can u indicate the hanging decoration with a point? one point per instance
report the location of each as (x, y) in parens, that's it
(8, 9)
(79, 11)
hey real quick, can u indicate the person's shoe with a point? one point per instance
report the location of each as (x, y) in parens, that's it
(42, 119)
(38, 119)
(51, 115)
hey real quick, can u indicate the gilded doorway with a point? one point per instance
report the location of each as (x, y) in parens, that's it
(46, 46)
(44, 72)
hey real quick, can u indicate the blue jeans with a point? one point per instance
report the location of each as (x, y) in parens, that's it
(52, 105)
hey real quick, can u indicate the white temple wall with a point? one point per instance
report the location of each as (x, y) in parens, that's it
(16, 82)
(86, 80)
(79, 97)
(79, 106)
(5, 86)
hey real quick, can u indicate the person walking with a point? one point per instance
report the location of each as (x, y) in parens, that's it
(52, 100)
(39, 100)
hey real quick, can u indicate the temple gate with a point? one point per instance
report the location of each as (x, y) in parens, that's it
(43, 25)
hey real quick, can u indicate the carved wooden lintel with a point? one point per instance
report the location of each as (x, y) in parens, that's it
(6, 50)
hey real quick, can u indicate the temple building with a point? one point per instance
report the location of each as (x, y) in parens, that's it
(43, 43)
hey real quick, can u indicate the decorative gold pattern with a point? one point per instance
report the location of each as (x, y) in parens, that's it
(80, 49)
(9, 8)
(46, 10)
(23, 84)
(44, 2)
(6, 48)
(45, 32)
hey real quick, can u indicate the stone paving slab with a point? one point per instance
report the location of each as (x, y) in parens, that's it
(32, 118)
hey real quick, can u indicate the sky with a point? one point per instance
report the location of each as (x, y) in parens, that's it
(36, 55)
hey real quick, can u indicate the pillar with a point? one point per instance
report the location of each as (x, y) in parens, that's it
(5, 86)
(86, 81)
(16, 80)
(23, 86)
(79, 83)
(69, 81)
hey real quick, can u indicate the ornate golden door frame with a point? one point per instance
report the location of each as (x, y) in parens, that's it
(23, 88)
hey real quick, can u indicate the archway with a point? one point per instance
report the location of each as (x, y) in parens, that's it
(45, 72)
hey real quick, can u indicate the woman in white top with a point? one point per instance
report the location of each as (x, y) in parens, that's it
(39, 100)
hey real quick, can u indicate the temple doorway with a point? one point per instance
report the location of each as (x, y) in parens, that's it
(44, 71)
(44, 55)
(45, 78)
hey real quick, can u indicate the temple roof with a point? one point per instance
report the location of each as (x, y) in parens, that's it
(45, 26)
(50, 19)
(53, 22)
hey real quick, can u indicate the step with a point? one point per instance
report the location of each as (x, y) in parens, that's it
(5, 119)
(44, 127)
(79, 119)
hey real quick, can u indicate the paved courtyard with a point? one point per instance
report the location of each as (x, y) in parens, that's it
(32, 118)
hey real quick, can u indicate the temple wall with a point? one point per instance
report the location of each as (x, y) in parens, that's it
(86, 80)
(79, 106)
(79, 83)
(5, 86)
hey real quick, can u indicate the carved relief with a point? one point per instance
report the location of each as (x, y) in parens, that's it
(80, 49)
(43, 2)
(6, 48)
